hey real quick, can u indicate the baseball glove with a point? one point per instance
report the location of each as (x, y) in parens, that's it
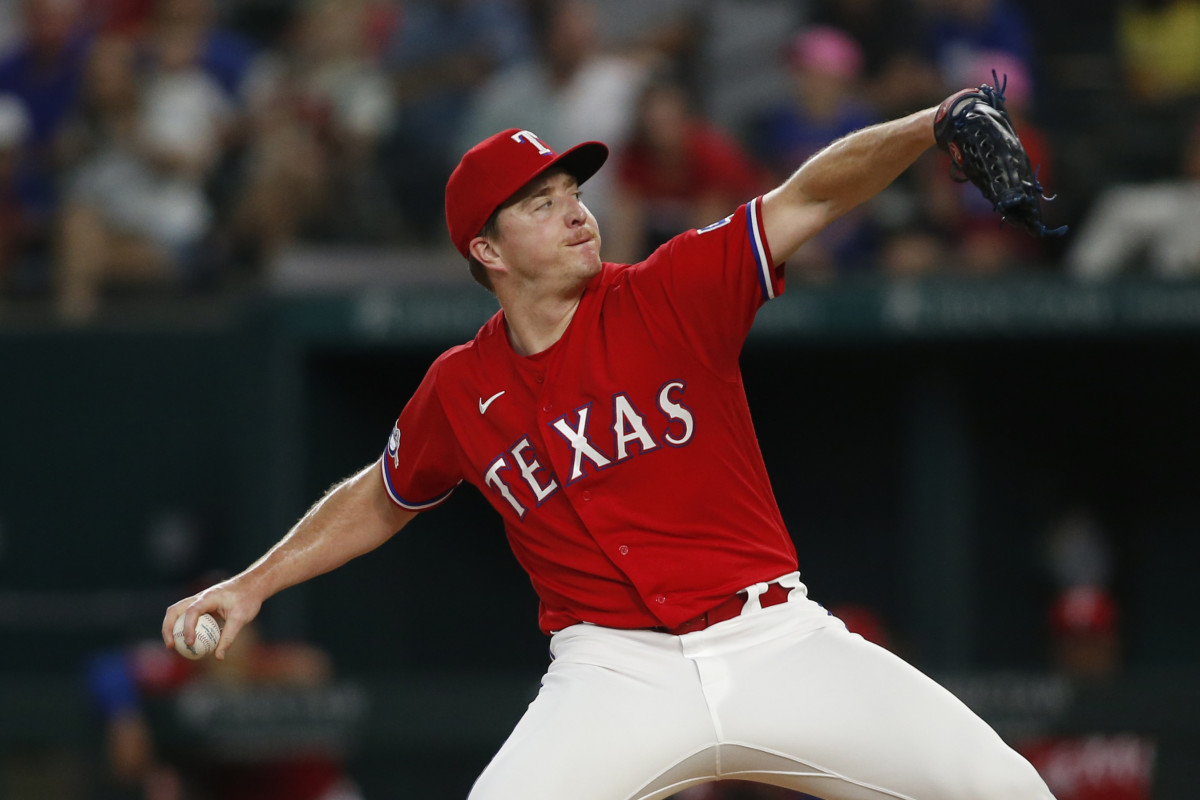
(974, 128)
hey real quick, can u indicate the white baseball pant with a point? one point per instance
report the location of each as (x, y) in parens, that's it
(783, 695)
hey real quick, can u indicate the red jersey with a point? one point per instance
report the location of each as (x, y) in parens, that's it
(622, 459)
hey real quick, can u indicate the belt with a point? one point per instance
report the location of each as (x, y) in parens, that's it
(728, 609)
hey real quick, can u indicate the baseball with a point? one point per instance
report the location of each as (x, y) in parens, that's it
(208, 632)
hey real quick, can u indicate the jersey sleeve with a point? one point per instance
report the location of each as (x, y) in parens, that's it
(421, 463)
(713, 281)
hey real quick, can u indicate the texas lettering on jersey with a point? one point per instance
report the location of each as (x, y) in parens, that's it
(628, 435)
(623, 459)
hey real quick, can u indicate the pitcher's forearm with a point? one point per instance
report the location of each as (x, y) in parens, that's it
(862, 164)
(848, 172)
(353, 518)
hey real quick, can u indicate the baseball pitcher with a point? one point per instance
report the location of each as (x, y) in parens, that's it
(601, 413)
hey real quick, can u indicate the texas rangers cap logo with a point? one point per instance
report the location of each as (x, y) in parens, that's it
(394, 447)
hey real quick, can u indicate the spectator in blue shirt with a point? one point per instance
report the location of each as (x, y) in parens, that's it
(441, 52)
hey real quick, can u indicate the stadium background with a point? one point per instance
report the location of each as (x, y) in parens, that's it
(927, 436)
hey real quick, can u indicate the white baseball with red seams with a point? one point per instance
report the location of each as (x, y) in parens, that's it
(208, 633)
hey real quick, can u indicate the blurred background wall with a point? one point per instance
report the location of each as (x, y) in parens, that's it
(223, 269)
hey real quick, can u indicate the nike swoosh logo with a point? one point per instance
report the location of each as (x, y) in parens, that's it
(483, 404)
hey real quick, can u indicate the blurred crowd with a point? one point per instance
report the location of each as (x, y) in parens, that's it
(184, 145)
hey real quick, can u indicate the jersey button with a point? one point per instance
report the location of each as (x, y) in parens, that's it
(587, 496)
(547, 408)
(623, 549)
(540, 378)
(660, 599)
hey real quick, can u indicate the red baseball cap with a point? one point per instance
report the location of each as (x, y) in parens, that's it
(496, 168)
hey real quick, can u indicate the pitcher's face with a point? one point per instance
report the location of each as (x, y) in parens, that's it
(547, 234)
